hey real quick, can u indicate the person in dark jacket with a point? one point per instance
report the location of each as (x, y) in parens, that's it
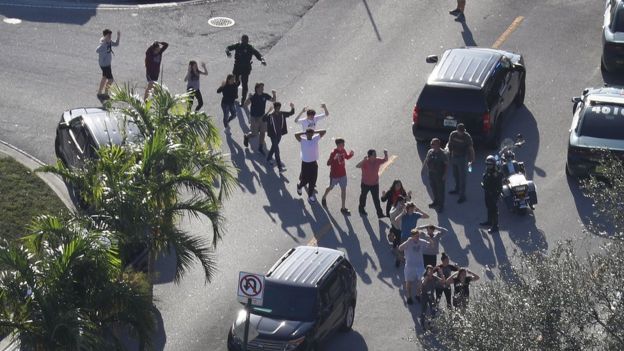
(243, 54)
(492, 187)
(276, 127)
(153, 58)
(391, 196)
(257, 109)
(229, 89)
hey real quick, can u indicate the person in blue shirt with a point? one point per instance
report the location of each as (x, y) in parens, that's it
(408, 219)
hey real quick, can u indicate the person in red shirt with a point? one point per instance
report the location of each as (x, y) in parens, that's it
(338, 173)
(370, 180)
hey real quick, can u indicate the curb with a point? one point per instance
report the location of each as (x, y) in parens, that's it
(53, 181)
(70, 6)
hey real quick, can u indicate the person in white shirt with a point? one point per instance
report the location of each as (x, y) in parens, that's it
(412, 248)
(312, 119)
(309, 156)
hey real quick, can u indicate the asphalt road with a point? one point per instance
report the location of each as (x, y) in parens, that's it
(365, 60)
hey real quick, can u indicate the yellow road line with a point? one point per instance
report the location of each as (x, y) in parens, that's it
(512, 27)
(328, 227)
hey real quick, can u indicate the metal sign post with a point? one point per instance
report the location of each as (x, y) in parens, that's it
(250, 292)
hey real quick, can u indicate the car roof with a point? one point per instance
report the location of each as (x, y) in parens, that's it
(104, 125)
(468, 67)
(612, 95)
(305, 265)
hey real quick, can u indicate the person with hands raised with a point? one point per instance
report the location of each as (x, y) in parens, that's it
(276, 127)
(338, 173)
(370, 180)
(412, 250)
(311, 120)
(192, 84)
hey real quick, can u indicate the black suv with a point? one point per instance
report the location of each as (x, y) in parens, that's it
(613, 36)
(308, 295)
(82, 131)
(474, 86)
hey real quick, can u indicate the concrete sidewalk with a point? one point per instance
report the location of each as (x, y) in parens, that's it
(32, 163)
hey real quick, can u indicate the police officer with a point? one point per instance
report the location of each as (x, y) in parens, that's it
(492, 187)
(243, 53)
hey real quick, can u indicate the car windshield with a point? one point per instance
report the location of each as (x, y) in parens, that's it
(282, 301)
(603, 121)
(451, 99)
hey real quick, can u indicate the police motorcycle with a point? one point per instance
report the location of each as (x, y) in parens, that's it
(519, 193)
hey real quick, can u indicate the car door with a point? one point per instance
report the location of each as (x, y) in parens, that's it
(332, 305)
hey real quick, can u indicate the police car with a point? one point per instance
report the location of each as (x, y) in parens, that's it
(597, 124)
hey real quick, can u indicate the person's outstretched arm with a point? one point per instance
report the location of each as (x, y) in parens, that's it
(303, 110)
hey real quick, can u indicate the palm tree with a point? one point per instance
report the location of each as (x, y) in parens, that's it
(63, 287)
(142, 190)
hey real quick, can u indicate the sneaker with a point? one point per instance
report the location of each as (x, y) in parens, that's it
(312, 199)
(455, 12)
(461, 199)
(282, 169)
(494, 229)
(410, 301)
(485, 224)
(246, 140)
(323, 202)
(454, 191)
(345, 211)
(299, 192)
(362, 212)
(460, 18)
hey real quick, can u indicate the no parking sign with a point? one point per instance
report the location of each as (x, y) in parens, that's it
(250, 286)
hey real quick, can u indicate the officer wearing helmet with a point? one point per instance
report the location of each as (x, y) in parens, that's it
(492, 187)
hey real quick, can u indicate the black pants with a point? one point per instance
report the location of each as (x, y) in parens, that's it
(447, 295)
(242, 78)
(309, 173)
(374, 190)
(429, 260)
(195, 94)
(491, 203)
(437, 188)
(275, 150)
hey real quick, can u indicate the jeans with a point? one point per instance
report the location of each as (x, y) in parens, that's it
(229, 113)
(374, 190)
(197, 95)
(437, 188)
(309, 174)
(275, 150)
(460, 171)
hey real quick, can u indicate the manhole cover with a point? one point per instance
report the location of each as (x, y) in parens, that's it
(221, 22)
(12, 20)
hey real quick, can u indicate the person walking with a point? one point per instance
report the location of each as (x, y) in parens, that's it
(462, 155)
(413, 270)
(492, 188)
(105, 59)
(394, 234)
(461, 286)
(276, 127)
(459, 11)
(409, 218)
(430, 253)
(243, 54)
(258, 106)
(338, 173)
(446, 270)
(229, 89)
(391, 196)
(370, 180)
(309, 158)
(430, 281)
(192, 84)
(312, 119)
(436, 163)
(153, 59)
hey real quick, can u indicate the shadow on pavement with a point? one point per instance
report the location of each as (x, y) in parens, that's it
(467, 35)
(352, 341)
(48, 15)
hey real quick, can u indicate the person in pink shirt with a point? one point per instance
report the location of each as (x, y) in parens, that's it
(370, 180)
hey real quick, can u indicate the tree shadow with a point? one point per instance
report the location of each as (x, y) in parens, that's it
(49, 14)
(583, 204)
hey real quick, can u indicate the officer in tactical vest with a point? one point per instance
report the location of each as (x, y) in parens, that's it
(492, 187)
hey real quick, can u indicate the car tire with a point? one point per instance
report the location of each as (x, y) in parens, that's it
(519, 100)
(347, 323)
(567, 171)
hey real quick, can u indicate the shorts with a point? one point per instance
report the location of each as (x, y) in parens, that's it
(257, 125)
(342, 181)
(107, 72)
(151, 78)
(413, 273)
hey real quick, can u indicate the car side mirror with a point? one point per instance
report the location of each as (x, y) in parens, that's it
(432, 59)
(63, 125)
(576, 99)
